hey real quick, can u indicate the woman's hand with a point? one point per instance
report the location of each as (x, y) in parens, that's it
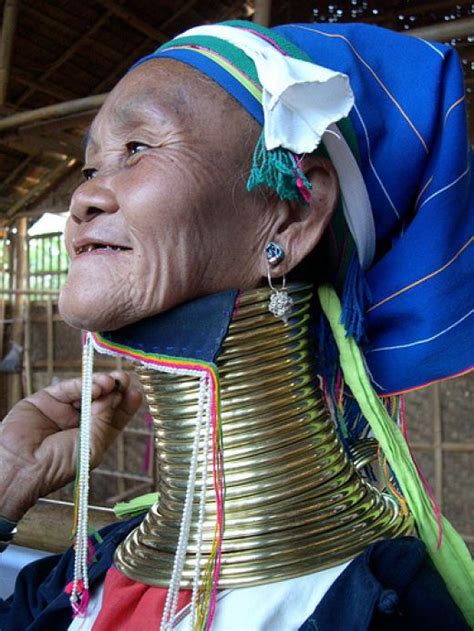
(38, 437)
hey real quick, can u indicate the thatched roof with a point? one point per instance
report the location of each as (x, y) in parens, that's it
(57, 51)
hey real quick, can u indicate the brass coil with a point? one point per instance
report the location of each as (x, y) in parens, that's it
(294, 503)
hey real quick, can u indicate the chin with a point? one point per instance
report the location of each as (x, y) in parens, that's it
(90, 314)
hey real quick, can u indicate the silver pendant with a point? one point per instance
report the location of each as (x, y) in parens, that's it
(280, 304)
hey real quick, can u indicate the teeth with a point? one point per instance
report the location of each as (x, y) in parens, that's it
(90, 247)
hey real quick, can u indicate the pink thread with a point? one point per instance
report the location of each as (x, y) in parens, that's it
(303, 189)
(268, 40)
(69, 586)
(91, 553)
(217, 467)
(237, 304)
(80, 608)
(337, 387)
(429, 491)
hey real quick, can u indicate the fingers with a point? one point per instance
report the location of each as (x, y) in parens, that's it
(59, 404)
(117, 408)
(130, 401)
(69, 391)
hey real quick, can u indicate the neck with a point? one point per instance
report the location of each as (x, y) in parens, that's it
(294, 502)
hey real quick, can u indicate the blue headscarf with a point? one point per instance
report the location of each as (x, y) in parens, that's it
(409, 136)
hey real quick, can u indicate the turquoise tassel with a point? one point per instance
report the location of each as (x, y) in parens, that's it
(278, 169)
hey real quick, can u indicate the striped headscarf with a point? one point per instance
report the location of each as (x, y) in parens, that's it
(390, 114)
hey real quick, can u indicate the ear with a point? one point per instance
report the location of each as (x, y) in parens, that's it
(299, 227)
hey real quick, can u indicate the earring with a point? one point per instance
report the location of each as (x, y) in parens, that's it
(280, 302)
(274, 253)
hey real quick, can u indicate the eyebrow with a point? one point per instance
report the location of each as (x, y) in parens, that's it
(132, 112)
(138, 105)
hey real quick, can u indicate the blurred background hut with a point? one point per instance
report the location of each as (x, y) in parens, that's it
(58, 59)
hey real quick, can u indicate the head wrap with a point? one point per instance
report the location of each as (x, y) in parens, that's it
(398, 103)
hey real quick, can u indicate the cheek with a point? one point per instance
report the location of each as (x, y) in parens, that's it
(69, 235)
(170, 211)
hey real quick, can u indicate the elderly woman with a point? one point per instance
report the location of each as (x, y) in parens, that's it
(232, 157)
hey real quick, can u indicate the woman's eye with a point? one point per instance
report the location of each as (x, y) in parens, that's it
(89, 174)
(136, 147)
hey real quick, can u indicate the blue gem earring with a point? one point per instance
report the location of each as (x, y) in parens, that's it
(274, 253)
(280, 302)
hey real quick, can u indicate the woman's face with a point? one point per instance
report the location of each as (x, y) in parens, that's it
(163, 215)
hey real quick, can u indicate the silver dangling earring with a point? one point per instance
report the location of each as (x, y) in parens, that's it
(280, 302)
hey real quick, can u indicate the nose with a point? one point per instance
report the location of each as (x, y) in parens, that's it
(92, 198)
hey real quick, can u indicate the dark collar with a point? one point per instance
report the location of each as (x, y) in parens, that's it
(195, 330)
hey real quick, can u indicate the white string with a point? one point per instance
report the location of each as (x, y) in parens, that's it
(171, 603)
(82, 544)
(202, 509)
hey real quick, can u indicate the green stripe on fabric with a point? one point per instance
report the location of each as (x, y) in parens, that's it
(237, 58)
(290, 49)
(452, 560)
(254, 90)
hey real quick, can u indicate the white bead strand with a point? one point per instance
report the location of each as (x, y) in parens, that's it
(82, 544)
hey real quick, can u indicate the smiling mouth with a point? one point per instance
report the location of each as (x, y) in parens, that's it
(99, 247)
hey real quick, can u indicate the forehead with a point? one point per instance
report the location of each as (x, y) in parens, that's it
(165, 96)
(158, 92)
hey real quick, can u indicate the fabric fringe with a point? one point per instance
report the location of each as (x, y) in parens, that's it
(355, 297)
(280, 170)
(350, 424)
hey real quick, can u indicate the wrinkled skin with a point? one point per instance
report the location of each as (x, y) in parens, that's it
(166, 164)
(165, 172)
(161, 184)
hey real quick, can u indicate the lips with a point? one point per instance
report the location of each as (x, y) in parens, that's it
(85, 247)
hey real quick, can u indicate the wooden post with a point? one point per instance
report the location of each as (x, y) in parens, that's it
(10, 11)
(15, 389)
(58, 110)
(49, 339)
(3, 288)
(263, 10)
(27, 321)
